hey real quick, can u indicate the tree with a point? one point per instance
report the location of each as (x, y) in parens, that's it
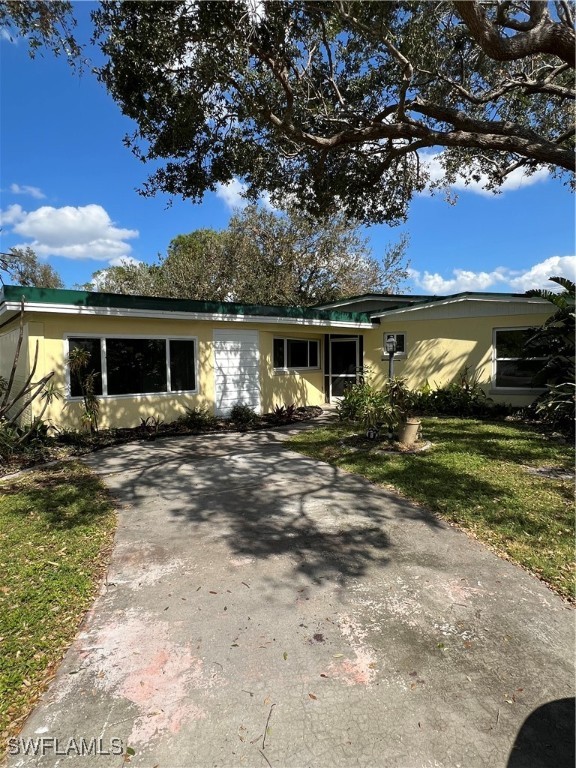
(265, 257)
(297, 259)
(21, 266)
(331, 103)
(127, 278)
(200, 265)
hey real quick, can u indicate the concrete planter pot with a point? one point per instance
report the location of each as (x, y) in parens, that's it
(409, 431)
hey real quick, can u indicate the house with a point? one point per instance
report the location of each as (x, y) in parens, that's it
(156, 356)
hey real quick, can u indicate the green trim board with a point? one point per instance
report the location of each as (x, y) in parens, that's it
(60, 297)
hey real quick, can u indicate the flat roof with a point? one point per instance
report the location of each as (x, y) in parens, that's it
(87, 302)
(455, 297)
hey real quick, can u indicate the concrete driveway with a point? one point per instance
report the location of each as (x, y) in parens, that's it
(265, 609)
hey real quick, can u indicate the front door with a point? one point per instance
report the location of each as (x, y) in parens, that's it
(344, 365)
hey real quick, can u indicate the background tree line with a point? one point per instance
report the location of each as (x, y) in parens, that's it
(264, 257)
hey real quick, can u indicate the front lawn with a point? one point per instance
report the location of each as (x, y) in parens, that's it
(56, 528)
(476, 475)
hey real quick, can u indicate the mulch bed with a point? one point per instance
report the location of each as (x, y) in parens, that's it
(71, 444)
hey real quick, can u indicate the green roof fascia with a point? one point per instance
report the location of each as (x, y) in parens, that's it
(463, 294)
(409, 299)
(61, 296)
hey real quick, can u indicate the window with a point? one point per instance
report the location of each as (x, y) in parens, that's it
(92, 346)
(511, 370)
(400, 339)
(138, 366)
(296, 353)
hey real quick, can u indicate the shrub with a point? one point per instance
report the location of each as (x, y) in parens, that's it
(463, 397)
(353, 402)
(198, 419)
(556, 408)
(242, 415)
(22, 440)
(372, 408)
(283, 414)
(151, 425)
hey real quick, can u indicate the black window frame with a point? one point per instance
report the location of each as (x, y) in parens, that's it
(103, 339)
(285, 340)
(496, 359)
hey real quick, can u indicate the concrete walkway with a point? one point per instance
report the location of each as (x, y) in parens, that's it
(265, 609)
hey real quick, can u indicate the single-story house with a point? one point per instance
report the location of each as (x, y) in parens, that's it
(156, 356)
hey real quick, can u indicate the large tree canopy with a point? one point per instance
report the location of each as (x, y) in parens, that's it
(332, 102)
(264, 257)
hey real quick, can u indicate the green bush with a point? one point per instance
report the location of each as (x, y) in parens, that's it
(22, 440)
(198, 419)
(242, 415)
(373, 408)
(463, 397)
(556, 408)
(283, 414)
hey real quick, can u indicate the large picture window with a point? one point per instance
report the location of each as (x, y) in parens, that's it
(511, 369)
(296, 354)
(137, 366)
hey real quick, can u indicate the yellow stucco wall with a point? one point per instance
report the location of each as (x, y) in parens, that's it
(437, 350)
(300, 388)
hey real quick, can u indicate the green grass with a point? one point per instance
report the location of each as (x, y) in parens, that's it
(56, 527)
(475, 477)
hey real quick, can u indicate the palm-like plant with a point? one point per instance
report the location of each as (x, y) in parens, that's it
(555, 340)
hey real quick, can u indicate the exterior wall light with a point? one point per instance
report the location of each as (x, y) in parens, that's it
(390, 346)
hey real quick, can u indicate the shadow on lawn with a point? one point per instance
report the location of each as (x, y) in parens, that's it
(512, 442)
(62, 498)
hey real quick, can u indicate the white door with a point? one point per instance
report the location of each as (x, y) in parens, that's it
(236, 370)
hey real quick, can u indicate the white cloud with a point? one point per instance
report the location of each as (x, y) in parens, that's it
(538, 275)
(233, 193)
(26, 189)
(125, 261)
(515, 180)
(83, 232)
(507, 280)
(462, 280)
(12, 214)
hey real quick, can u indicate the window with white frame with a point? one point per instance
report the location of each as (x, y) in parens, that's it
(511, 369)
(296, 354)
(400, 339)
(136, 366)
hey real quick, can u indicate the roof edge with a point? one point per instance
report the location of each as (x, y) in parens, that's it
(64, 297)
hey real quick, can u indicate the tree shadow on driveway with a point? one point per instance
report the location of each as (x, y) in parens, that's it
(262, 501)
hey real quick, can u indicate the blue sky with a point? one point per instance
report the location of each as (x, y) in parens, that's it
(69, 190)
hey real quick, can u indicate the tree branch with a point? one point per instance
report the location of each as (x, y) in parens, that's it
(545, 37)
